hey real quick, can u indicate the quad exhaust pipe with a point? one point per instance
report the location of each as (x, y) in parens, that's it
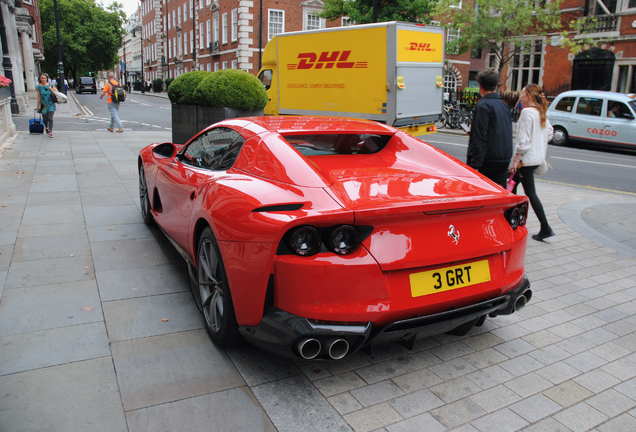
(522, 300)
(309, 348)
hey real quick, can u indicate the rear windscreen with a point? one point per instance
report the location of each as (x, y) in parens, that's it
(337, 144)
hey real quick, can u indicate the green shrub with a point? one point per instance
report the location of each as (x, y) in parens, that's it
(181, 90)
(231, 88)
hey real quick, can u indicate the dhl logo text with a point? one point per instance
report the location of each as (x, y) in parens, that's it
(414, 46)
(326, 60)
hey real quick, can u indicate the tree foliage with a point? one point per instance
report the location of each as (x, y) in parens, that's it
(503, 27)
(361, 11)
(90, 35)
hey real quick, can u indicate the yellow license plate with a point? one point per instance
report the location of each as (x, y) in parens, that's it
(449, 278)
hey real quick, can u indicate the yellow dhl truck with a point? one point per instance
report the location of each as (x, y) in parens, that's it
(390, 72)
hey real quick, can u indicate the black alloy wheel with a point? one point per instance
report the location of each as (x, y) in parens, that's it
(212, 293)
(144, 200)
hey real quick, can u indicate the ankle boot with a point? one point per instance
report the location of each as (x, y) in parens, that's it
(543, 234)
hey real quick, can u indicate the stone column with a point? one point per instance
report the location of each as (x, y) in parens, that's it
(29, 63)
(13, 44)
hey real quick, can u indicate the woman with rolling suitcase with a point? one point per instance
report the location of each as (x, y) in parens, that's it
(46, 102)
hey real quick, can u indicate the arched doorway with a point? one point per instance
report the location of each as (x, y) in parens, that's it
(592, 70)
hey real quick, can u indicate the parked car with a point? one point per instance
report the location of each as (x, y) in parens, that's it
(600, 117)
(317, 236)
(86, 84)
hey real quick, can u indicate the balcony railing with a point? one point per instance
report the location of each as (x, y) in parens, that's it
(600, 24)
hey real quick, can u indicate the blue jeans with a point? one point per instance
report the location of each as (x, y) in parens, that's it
(114, 117)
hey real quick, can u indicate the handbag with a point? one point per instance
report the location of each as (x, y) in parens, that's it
(60, 97)
(53, 97)
(510, 184)
(543, 168)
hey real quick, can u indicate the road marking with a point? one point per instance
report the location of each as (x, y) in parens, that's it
(144, 124)
(156, 126)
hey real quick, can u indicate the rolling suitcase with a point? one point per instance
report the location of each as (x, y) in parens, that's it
(36, 125)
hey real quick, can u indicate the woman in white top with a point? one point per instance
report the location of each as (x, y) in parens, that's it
(534, 131)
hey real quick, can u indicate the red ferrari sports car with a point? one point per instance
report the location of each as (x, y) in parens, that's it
(317, 236)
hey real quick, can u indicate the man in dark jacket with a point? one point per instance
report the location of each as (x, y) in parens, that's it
(490, 143)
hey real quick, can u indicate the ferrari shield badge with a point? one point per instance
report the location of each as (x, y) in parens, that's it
(453, 234)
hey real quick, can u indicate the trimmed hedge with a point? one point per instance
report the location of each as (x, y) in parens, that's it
(181, 90)
(231, 88)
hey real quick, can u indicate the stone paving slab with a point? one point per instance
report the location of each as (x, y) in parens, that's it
(567, 362)
(74, 397)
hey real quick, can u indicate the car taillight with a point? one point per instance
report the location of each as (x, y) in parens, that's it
(339, 239)
(343, 239)
(304, 241)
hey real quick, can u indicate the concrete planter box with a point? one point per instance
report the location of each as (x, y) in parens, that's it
(188, 120)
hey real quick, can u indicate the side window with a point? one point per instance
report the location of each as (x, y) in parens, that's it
(215, 150)
(565, 104)
(589, 106)
(617, 109)
(266, 78)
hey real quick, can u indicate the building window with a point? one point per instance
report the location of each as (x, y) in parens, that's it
(192, 40)
(224, 65)
(276, 23)
(209, 67)
(475, 53)
(234, 64)
(215, 22)
(179, 15)
(202, 36)
(458, 5)
(224, 30)
(492, 61)
(313, 22)
(450, 81)
(208, 29)
(346, 21)
(216, 66)
(452, 37)
(185, 11)
(234, 25)
(526, 66)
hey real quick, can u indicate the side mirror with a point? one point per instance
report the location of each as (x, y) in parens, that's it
(165, 150)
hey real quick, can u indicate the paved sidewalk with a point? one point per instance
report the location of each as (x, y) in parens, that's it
(99, 331)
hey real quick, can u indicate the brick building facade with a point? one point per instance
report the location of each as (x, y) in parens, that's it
(179, 36)
(611, 65)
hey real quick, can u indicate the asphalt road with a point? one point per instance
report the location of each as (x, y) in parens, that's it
(600, 169)
(138, 113)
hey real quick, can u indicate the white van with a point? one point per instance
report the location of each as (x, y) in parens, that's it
(601, 117)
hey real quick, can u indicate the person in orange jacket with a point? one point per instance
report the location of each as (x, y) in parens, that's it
(113, 106)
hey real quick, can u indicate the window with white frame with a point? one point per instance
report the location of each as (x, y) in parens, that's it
(216, 66)
(224, 29)
(207, 3)
(215, 22)
(450, 81)
(346, 21)
(170, 48)
(275, 23)
(457, 4)
(185, 11)
(313, 22)
(201, 37)
(224, 65)
(209, 67)
(174, 17)
(234, 64)
(452, 36)
(208, 29)
(191, 40)
(179, 15)
(492, 61)
(234, 25)
(526, 66)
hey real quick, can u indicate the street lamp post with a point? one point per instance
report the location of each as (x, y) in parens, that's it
(60, 64)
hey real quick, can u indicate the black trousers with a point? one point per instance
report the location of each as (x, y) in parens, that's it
(495, 171)
(525, 176)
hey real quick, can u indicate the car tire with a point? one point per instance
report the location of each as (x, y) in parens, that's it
(144, 200)
(211, 291)
(560, 137)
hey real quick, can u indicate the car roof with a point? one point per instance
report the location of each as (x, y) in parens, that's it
(308, 124)
(598, 93)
